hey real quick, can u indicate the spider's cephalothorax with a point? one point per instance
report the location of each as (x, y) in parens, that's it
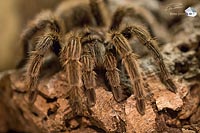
(82, 45)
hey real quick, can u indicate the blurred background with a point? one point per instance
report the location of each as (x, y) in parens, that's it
(14, 15)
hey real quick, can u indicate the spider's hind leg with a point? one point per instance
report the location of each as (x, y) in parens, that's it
(141, 14)
(131, 11)
(99, 12)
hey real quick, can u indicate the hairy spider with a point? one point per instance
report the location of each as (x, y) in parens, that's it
(82, 45)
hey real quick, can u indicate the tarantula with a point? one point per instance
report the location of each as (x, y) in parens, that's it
(78, 35)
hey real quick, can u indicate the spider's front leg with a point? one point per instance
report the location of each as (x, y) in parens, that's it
(70, 57)
(146, 39)
(112, 74)
(46, 42)
(44, 20)
(129, 60)
(89, 78)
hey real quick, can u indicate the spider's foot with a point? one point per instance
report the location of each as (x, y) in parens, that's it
(32, 97)
(140, 105)
(70, 115)
(91, 97)
(171, 86)
(118, 94)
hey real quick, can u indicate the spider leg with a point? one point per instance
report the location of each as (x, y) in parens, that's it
(98, 10)
(112, 74)
(92, 56)
(146, 39)
(41, 21)
(89, 78)
(125, 82)
(70, 57)
(45, 43)
(117, 18)
(132, 11)
(129, 60)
